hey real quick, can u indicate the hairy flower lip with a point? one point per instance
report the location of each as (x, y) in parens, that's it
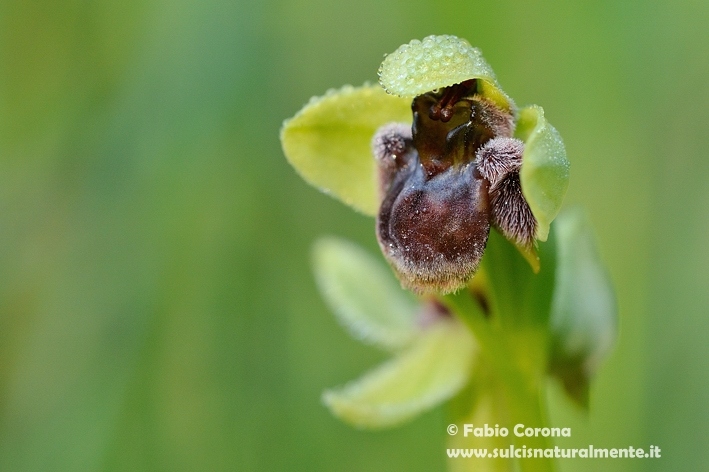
(443, 194)
(433, 230)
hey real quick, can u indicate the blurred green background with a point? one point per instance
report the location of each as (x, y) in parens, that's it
(157, 310)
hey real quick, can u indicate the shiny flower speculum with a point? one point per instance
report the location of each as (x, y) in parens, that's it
(444, 182)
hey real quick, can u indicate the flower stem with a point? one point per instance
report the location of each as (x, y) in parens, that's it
(511, 383)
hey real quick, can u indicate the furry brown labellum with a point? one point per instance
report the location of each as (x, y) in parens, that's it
(443, 183)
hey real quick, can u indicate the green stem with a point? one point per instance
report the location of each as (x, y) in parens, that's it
(520, 389)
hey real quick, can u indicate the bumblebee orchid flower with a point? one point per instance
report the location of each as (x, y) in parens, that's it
(439, 154)
(464, 187)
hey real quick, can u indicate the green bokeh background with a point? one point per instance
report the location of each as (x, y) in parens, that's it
(157, 310)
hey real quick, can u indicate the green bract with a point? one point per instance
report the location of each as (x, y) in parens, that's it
(433, 352)
(584, 318)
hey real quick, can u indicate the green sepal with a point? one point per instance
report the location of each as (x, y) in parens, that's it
(584, 318)
(364, 295)
(436, 62)
(430, 371)
(329, 141)
(545, 169)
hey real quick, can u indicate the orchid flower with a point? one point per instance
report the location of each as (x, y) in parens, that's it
(464, 187)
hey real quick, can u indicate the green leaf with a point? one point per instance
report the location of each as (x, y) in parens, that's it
(429, 372)
(329, 141)
(545, 169)
(438, 61)
(584, 319)
(364, 294)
